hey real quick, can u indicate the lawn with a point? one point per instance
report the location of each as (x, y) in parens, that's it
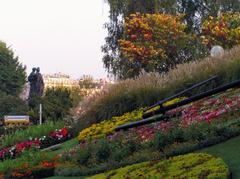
(229, 152)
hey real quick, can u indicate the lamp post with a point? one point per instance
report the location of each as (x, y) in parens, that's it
(217, 51)
(40, 114)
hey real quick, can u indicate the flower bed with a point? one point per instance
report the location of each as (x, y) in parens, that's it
(206, 110)
(53, 137)
(32, 164)
(107, 127)
(197, 165)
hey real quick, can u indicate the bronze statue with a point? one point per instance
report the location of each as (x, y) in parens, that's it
(36, 83)
(40, 83)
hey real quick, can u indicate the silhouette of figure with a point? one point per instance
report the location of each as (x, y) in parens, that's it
(36, 83)
(40, 83)
(32, 78)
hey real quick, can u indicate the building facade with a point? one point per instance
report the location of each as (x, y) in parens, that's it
(58, 80)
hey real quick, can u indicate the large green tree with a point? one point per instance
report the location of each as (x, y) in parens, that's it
(196, 11)
(56, 103)
(12, 73)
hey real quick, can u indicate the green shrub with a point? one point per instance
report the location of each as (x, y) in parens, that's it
(103, 150)
(83, 155)
(125, 96)
(56, 104)
(161, 140)
(176, 135)
(123, 150)
(186, 166)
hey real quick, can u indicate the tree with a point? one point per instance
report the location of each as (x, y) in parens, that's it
(76, 95)
(12, 73)
(196, 11)
(56, 103)
(87, 82)
(223, 30)
(155, 42)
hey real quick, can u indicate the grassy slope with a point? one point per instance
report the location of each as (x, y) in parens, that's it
(229, 152)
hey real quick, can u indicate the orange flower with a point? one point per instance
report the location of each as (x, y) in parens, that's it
(47, 164)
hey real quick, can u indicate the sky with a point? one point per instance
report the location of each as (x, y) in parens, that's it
(56, 35)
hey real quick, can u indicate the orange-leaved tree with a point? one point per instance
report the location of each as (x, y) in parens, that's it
(223, 30)
(155, 42)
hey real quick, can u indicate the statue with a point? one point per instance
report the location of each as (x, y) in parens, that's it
(36, 83)
(40, 83)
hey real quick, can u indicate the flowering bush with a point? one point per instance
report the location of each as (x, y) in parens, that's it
(196, 165)
(223, 30)
(154, 42)
(106, 127)
(45, 141)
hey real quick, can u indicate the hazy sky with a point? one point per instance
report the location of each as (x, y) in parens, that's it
(56, 35)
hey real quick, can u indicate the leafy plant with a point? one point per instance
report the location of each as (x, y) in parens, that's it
(103, 150)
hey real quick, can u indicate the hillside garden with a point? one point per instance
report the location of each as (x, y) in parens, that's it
(175, 147)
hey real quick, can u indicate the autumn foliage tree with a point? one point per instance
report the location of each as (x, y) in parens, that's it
(223, 30)
(155, 42)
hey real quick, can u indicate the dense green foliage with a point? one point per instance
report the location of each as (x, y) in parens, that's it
(185, 166)
(12, 105)
(56, 104)
(12, 79)
(12, 73)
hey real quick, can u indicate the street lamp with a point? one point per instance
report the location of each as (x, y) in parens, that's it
(217, 51)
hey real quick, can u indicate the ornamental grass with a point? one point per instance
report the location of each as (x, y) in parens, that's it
(148, 88)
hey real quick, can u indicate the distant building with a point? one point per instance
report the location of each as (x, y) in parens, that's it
(59, 80)
(25, 92)
(96, 86)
